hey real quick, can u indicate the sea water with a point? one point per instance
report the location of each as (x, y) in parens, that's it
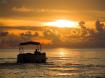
(61, 63)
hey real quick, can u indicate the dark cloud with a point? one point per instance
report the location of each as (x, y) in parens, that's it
(94, 40)
(21, 28)
(63, 4)
(6, 6)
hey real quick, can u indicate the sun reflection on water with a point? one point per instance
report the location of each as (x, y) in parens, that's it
(61, 54)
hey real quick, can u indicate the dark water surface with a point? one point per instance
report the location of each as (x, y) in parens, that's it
(61, 63)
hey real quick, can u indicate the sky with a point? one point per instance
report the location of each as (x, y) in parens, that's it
(34, 12)
(22, 20)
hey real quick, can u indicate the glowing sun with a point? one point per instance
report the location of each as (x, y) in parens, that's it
(63, 23)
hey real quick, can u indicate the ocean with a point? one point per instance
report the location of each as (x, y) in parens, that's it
(61, 63)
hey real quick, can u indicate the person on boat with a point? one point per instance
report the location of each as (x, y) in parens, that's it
(37, 52)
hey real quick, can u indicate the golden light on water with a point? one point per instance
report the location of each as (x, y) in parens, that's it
(63, 23)
(61, 54)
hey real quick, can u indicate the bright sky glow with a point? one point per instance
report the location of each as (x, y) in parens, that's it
(63, 23)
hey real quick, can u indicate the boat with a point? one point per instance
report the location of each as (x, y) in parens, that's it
(37, 57)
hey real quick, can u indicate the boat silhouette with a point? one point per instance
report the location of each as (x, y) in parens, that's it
(36, 57)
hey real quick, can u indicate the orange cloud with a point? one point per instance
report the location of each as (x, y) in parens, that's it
(43, 41)
(20, 22)
(22, 9)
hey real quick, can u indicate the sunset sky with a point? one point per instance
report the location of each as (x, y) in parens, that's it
(37, 12)
(52, 22)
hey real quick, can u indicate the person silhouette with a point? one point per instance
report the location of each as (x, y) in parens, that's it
(37, 52)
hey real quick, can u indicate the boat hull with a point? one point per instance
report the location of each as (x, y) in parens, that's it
(31, 58)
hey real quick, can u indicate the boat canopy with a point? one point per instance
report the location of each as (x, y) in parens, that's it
(29, 43)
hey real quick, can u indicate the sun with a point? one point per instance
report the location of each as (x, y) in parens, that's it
(63, 23)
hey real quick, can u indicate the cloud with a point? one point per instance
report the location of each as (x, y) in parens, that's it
(4, 1)
(22, 9)
(57, 4)
(38, 10)
(52, 9)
